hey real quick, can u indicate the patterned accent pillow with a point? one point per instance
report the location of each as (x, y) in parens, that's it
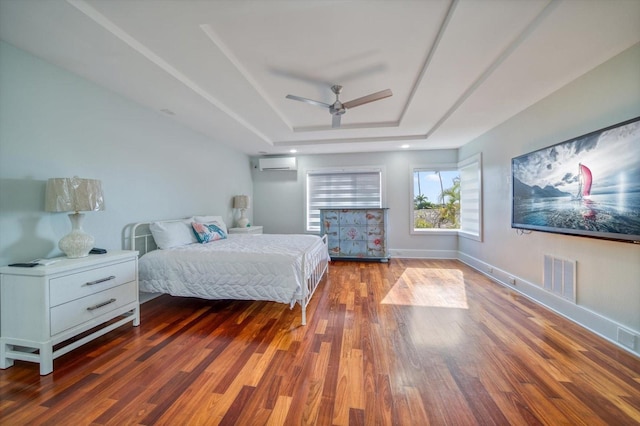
(208, 232)
(212, 219)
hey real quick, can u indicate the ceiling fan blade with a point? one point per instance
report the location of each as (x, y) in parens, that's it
(309, 101)
(369, 98)
(335, 122)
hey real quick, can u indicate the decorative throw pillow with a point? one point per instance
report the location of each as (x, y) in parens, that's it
(212, 219)
(208, 232)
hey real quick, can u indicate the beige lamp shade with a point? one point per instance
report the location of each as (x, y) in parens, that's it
(73, 195)
(241, 202)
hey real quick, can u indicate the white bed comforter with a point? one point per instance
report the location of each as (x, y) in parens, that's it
(242, 267)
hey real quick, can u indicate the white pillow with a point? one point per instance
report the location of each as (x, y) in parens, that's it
(172, 233)
(210, 219)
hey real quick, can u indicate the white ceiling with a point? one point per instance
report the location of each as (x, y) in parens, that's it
(456, 68)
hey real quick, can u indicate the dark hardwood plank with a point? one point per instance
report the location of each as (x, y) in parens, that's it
(408, 342)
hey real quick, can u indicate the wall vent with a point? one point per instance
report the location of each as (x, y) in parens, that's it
(560, 277)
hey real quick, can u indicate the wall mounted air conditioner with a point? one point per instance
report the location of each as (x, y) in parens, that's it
(277, 163)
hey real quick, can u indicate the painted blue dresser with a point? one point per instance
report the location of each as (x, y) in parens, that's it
(356, 233)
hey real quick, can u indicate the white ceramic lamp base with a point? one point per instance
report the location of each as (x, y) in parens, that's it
(76, 243)
(242, 222)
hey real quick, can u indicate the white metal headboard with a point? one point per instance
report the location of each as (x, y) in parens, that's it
(142, 239)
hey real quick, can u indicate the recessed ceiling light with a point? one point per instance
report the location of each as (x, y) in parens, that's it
(405, 146)
(293, 151)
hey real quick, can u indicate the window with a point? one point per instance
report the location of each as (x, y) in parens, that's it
(341, 189)
(436, 200)
(447, 198)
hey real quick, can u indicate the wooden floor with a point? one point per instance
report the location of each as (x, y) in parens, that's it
(412, 342)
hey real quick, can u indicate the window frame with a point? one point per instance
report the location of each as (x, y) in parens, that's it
(346, 170)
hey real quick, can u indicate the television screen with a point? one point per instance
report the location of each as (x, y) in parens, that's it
(587, 186)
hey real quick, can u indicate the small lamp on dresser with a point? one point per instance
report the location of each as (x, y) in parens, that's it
(241, 202)
(74, 195)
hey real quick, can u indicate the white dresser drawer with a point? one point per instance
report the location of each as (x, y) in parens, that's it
(69, 315)
(70, 287)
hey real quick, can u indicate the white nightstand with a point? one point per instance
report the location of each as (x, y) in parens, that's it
(43, 306)
(247, 230)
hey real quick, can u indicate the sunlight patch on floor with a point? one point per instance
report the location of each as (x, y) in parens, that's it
(440, 288)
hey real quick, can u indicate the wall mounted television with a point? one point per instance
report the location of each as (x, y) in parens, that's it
(586, 186)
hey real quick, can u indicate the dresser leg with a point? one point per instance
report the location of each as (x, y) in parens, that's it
(136, 320)
(46, 360)
(4, 361)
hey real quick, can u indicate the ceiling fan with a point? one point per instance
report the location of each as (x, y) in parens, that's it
(338, 108)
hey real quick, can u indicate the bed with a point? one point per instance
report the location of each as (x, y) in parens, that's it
(267, 267)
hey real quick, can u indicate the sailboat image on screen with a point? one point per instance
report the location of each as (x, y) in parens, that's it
(584, 182)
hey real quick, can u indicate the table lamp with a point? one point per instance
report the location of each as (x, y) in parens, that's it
(241, 202)
(74, 195)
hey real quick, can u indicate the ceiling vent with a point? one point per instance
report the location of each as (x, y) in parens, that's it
(277, 163)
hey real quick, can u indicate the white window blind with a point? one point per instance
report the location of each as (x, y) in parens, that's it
(471, 197)
(342, 189)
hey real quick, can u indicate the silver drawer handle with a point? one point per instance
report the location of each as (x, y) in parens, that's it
(100, 305)
(101, 280)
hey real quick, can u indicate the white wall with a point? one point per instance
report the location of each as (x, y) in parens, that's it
(608, 273)
(56, 124)
(279, 197)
